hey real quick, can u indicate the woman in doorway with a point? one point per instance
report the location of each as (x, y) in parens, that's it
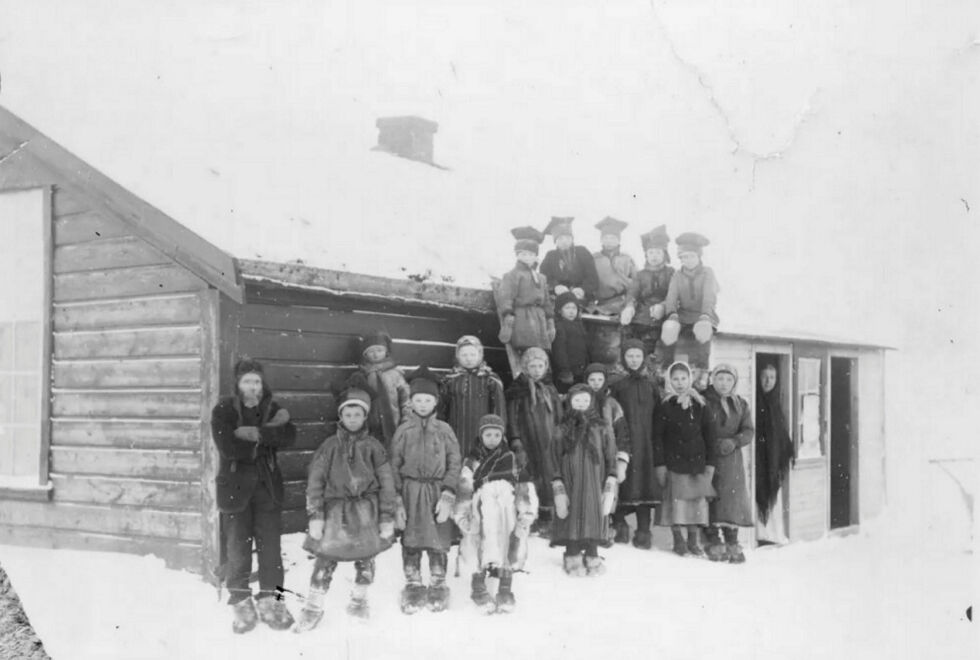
(773, 454)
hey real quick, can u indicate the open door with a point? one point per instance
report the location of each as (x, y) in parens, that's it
(843, 443)
(808, 491)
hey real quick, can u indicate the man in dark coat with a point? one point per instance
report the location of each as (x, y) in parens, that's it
(569, 267)
(247, 429)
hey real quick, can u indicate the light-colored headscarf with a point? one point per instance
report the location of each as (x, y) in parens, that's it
(730, 402)
(684, 398)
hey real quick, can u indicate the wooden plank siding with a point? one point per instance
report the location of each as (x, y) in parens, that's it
(309, 344)
(127, 409)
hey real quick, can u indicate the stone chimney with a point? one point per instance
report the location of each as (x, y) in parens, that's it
(408, 137)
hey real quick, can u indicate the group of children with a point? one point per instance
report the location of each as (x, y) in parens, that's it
(463, 460)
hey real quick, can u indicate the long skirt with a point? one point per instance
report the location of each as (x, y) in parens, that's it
(685, 500)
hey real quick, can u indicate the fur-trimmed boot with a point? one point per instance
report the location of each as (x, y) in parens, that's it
(438, 596)
(273, 613)
(312, 612)
(358, 605)
(622, 531)
(414, 593)
(574, 565)
(594, 566)
(505, 595)
(480, 595)
(245, 617)
(643, 539)
(694, 542)
(735, 554)
(717, 551)
(680, 545)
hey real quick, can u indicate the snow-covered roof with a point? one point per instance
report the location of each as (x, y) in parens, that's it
(254, 127)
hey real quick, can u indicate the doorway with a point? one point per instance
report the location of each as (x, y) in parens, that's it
(843, 442)
(772, 526)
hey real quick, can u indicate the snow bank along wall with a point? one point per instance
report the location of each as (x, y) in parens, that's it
(145, 320)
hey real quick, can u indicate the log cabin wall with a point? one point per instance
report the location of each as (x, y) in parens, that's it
(308, 342)
(127, 401)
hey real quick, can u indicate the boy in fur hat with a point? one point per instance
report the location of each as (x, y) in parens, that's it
(425, 461)
(584, 483)
(527, 318)
(490, 514)
(690, 305)
(645, 311)
(570, 350)
(639, 396)
(378, 375)
(533, 413)
(616, 272)
(569, 267)
(684, 446)
(733, 430)
(350, 499)
(248, 428)
(469, 392)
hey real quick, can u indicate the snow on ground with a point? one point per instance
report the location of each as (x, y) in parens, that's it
(880, 594)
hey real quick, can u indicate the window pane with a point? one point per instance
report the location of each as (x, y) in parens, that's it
(27, 345)
(27, 398)
(6, 346)
(810, 426)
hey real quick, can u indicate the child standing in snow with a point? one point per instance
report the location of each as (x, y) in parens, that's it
(644, 314)
(471, 391)
(248, 428)
(425, 461)
(639, 396)
(350, 499)
(488, 517)
(684, 455)
(533, 413)
(612, 413)
(570, 349)
(583, 482)
(733, 430)
(690, 305)
(378, 375)
(522, 298)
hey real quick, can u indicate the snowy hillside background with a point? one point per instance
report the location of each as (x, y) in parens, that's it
(830, 150)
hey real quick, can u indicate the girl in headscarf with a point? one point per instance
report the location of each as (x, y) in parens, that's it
(685, 459)
(533, 413)
(774, 452)
(733, 430)
(584, 483)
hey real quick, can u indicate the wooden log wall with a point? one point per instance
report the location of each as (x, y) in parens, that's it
(308, 343)
(126, 401)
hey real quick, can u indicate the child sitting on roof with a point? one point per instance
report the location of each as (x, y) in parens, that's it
(690, 306)
(645, 312)
(569, 267)
(522, 298)
(378, 375)
(616, 272)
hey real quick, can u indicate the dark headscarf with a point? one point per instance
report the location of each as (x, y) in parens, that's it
(773, 448)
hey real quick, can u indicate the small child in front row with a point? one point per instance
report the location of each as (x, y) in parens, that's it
(497, 510)
(584, 483)
(570, 350)
(684, 459)
(350, 498)
(425, 461)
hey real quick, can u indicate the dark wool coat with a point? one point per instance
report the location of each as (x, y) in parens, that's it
(691, 294)
(616, 272)
(466, 396)
(574, 268)
(649, 288)
(570, 350)
(243, 465)
(613, 415)
(389, 397)
(533, 411)
(732, 504)
(525, 294)
(773, 450)
(425, 461)
(584, 455)
(639, 397)
(684, 440)
(350, 487)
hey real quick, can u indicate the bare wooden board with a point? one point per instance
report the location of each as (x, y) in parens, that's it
(121, 282)
(108, 403)
(305, 406)
(87, 226)
(121, 252)
(168, 464)
(170, 341)
(305, 376)
(134, 521)
(294, 464)
(159, 494)
(178, 309)
(163, 372)
(302, 346)
(145, 434)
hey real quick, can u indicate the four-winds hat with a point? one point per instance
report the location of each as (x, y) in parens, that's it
(609, 225)
(691, 242)
(559, 226)
(423, 381)
(656, 238)
(528, 239)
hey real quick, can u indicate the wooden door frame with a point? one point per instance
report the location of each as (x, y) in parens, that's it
(855, 446)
